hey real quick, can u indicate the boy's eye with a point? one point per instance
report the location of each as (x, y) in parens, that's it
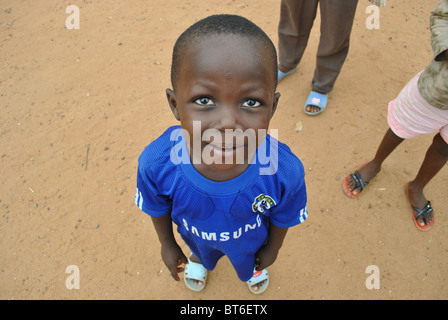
(251, 103)
(204, 101)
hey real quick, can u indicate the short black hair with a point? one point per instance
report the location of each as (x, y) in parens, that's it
(226, 24)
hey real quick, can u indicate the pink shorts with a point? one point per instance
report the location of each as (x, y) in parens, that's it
(410, 115)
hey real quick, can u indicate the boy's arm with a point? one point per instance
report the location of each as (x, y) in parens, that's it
(172, 254)
(268, 253)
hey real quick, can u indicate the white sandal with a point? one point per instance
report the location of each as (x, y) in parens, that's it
(195, 272)
(258, 277)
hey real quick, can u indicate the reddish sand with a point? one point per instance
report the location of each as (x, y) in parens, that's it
(79, 106)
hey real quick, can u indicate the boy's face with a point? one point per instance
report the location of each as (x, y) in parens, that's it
(226, 82)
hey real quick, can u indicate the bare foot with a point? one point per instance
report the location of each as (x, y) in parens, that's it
(318, 102)
(257, 286)
(367, 172)
(312, 109)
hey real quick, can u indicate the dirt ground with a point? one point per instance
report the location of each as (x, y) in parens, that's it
(79, 106)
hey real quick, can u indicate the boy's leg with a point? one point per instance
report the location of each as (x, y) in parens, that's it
(436, 157)
(371, 168)
(296, 21)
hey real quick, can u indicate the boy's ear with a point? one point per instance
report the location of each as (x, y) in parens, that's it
(171, 96)
(275, 103)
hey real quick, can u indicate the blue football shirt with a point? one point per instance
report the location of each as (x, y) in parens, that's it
(222, 218)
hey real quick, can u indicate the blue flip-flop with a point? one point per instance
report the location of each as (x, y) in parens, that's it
(318, 100)
(281, 74)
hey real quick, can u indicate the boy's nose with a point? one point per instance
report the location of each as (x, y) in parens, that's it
(227, 119)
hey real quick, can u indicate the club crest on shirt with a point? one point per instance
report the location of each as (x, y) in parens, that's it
(263, 203)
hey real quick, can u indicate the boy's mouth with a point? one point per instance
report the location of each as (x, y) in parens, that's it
(226, 150)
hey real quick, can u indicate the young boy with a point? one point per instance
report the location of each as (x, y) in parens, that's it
(217, 191)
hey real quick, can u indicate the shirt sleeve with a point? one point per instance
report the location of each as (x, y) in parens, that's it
(291, 209)
(148, 198)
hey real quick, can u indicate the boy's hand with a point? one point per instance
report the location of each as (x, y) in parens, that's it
(173, 257)
(268, 253)
(265, 257)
